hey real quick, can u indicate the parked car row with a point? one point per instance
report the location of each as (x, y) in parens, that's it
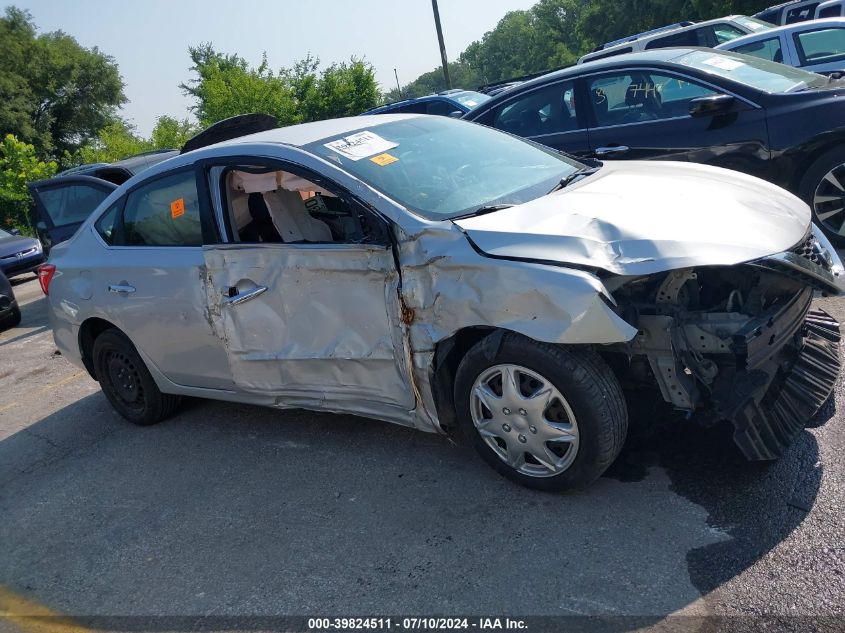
(779, 123)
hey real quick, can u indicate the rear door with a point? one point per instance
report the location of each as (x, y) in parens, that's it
(546, 114)
(642, 114)
(62, 204)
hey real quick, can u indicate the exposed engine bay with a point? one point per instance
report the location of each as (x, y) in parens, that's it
(738, 343)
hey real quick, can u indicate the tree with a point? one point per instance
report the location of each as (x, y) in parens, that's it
(19, 165)
(170, 133)
(226, 85)
(54, 93)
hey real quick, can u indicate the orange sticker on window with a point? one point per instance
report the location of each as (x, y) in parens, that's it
(384, 159)
(177, 208)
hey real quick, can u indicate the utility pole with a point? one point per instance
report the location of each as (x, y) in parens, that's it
(398, 89)
(442, 45)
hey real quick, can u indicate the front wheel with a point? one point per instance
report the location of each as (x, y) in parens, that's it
(823, 188)
(127, 382)
(545, 416)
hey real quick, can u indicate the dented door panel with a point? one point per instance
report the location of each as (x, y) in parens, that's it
(326, 333)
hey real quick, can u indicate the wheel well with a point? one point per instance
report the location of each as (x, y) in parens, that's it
(808, 161)
(88, 333)
(447, 356)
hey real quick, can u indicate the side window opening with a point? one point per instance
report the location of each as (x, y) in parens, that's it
(106, 226)
(764, 49)
(548, 110)
(275, 206)
(636, 97)
(164, 212)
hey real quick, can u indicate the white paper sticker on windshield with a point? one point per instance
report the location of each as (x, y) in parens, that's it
(725, 63)
(361, 145)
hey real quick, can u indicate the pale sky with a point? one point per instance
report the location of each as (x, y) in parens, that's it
(149, 39)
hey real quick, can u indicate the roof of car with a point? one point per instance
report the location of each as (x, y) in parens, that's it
(651, 55)
(806, 25)
(305, 133)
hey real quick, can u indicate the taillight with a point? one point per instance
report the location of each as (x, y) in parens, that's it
(45, 276)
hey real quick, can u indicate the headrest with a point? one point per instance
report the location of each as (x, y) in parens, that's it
(254, 183)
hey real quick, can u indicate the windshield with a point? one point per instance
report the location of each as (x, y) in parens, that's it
(752, 24)
(443, 168)
(469, 98)
(4, 234)
(757, 73)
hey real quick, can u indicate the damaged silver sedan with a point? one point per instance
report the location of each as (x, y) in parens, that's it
(446, 276)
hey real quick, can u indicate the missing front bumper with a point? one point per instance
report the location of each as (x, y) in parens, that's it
(808, 369)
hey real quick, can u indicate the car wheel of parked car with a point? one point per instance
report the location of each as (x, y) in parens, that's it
(823, 188)
(126, 381)
(546, 416)
(13, 319)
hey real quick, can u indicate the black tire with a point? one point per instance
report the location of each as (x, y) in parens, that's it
(13, 319)
(582, 378)
(127, 382)
(812, 179)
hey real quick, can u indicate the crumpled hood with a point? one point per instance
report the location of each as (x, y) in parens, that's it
(643, 217)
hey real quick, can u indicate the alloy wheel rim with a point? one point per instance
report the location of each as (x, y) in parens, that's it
(525, 420)
(829, 200)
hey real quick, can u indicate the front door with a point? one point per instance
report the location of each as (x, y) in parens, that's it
(307, 305)
(641, 114)
(62, 204)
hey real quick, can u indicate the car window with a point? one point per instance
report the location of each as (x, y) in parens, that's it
(764, 49)
(636, 97)
(266, 204)
(820, 46)
(687, 37)
(70, 204)
(412, 108)
(771, 16)
(725, 33)
(799, 14)
(548, 110)
(830, 12)
(441, 107)
(440, 167)
(756, 73)
(106, 225)
(164, 212)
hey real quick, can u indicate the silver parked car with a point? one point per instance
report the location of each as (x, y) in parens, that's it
(441, 275)
(817, 46)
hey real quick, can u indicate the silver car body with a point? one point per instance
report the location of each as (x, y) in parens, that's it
(784, 44)
(355, 328)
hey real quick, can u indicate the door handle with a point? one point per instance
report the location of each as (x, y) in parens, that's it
(243, 297)
(122, 288)
(612, 150)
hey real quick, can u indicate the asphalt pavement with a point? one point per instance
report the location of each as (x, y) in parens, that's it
(234, 510)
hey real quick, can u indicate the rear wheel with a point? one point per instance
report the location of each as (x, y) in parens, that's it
(548, 417)
(823, 188)
(127, 383)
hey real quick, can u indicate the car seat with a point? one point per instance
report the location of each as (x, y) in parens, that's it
(260, 227)
(291, 218)
(642, 94)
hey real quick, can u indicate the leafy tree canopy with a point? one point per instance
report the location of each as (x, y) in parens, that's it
(19, 165)
(226, 85)
(54, 93)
